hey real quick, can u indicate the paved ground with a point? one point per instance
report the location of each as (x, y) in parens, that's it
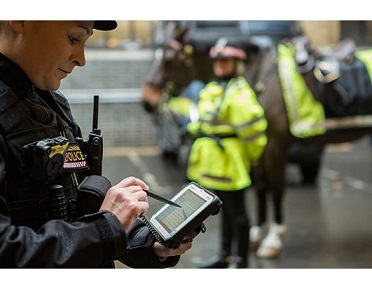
(328, 225)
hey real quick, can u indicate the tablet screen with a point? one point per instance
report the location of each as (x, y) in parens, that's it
(173, 217)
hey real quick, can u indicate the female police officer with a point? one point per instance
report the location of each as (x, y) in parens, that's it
(36, 129)
(230, 139)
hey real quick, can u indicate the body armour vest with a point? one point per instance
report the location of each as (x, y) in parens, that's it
(28, 197)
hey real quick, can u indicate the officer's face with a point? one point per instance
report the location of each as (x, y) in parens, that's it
(223, 67)
(52, 49)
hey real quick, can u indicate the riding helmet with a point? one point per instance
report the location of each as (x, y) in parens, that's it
(223, 50)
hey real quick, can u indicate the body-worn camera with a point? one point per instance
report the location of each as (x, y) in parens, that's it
(47, 156)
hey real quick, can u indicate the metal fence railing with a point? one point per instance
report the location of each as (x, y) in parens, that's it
(117, 77)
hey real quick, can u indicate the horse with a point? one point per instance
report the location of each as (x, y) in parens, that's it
(180, 59)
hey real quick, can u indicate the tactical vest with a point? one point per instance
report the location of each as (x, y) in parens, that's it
(29, 199)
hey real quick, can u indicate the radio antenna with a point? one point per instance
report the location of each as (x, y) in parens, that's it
(95, 112)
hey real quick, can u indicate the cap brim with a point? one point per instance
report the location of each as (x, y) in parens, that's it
(105, 25)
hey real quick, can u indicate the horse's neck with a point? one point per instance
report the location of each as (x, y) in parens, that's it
(260, 67)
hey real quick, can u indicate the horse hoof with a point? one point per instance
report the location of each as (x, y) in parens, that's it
(272, 245)
(255, 237)
(268, 252)
(255, 234)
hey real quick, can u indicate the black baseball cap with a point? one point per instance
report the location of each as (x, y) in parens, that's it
(105, 25)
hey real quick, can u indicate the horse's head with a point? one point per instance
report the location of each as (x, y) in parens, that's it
(166, 55)
(170, 68)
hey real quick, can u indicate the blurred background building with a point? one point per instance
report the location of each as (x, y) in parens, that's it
(132, 35)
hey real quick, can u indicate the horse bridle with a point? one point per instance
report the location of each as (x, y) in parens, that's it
(184, 56)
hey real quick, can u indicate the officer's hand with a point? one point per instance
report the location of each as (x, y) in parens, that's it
(127, 201)
(163, 252)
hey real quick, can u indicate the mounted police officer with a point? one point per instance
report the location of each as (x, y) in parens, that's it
(55, 211)
(230, 138)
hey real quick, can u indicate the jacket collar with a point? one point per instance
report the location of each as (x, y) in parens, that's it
(15, 77)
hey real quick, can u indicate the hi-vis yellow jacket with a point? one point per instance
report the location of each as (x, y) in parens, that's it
(230, 136)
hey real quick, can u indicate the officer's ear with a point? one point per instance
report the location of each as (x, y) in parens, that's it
(17, 26)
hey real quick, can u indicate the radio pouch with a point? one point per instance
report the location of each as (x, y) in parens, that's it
(91, 192)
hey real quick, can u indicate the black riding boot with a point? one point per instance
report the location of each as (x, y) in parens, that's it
(241, 262)
(216, 262)
(223, 260)
(243, 243)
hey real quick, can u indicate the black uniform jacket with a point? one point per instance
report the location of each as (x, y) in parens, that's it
(93, 240)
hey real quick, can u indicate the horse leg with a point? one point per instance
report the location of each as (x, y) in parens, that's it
(257, 232)
(271, 245)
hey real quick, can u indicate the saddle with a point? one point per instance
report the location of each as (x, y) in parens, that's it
(328, 67)
(345, 50)
(342, 82)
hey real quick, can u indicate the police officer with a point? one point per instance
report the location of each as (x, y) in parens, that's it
(52, 212)
(230, 139)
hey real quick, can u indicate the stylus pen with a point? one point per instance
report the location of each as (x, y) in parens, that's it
(164, 200)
